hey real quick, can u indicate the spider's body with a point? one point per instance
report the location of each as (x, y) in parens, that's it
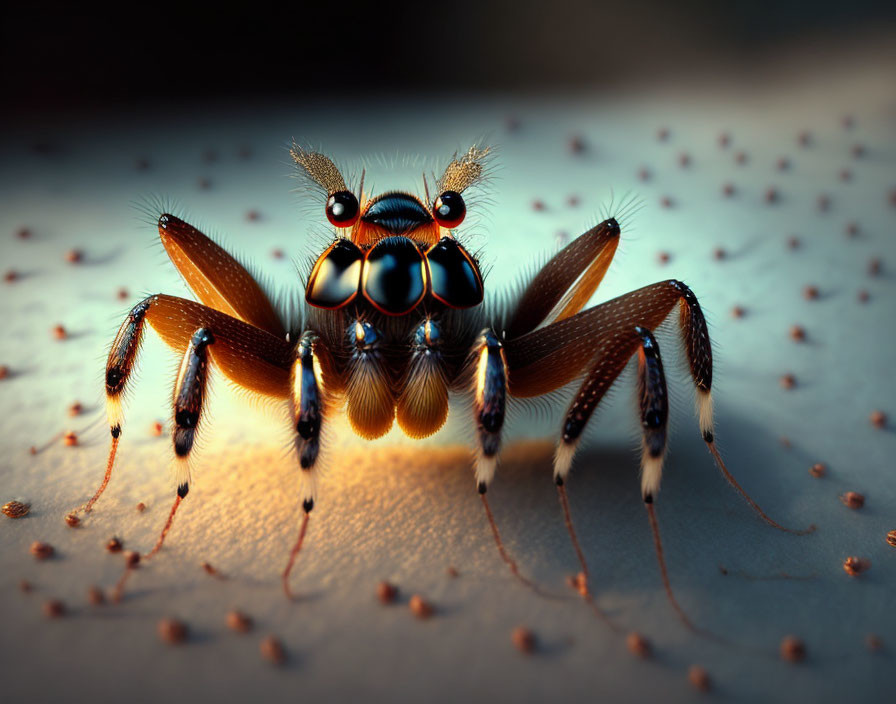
(394, 324)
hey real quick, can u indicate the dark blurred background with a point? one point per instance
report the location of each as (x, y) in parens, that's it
(55, 58)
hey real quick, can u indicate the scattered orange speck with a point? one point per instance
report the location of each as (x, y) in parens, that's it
(70, 439)
(74, 256)
(72, 521)
(156, 429)
(787, 381)
(386, 592)
(853, 499)
(699, 678)
(59, 332)
(891, 538)
(75, 409)
(420, 608)
(96, 596)
(239, 622)
(141, 507)
(114, 544)
(878, 419)
(272, 650)
(54, 608)
(523, 639)
(818, 470)
(638, 645)
(172, 631)
(854, 566)
(42, 551)
(793, 649)
(15, 509)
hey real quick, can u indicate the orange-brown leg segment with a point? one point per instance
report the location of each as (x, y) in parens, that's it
(217, 279)
(248, 356)
(566, 283)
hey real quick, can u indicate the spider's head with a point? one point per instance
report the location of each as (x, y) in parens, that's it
(367, 219)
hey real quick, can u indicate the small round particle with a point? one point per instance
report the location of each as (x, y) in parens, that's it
(70, 438)
(122, 294)
(854, 566)
(523, 639)
(874, 643)
(96, 596)
(811, 293)
(132, 559)
(141, 507)
(15, 509)
(818, 470)
(863, 296)
(662, 134)
(891, 538)
(643, 174)
(738, 312)
(793, 649)
(724, 140)
(638, 645)
(452, 572)
(76, 409)
(538, 205)
(797, 333)
(204, 184)
(663, 257)
(852, 229)
(511, 123)
(741, 158)
(25, 586)
(573, 201)
(878, 419)
(156, 429)
(74, 256)
(787, 381)
(804, 138)
(11, 276)
(387, 593)
(728, 189)
(59, 332)
(858, 150)
(771, 195)
(875, 265)
(239, 622)
(823, 203)
(42, 551)
(666, 202)
(577, 144)
(278, 253)
(272, 650)
(141, 164)
(23, 233)
(72, 521)
(699, 678)
(421, 608)
(253, 215)
(719, 254)
(172, 631)
(684, 160)
(783, 164)
(54, 608)
(853, 499)
(4, 371)
(793, 242)
(845, 175)
(114, 544)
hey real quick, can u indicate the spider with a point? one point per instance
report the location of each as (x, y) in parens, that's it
(394, 324)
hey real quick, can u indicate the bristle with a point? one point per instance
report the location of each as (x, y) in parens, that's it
(181, 467)
(563, 456)
(114, 411)
(704, 413)
(651, 473)
(485, 469)
(308, 485)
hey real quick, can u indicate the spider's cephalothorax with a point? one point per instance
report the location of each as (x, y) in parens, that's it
(394, 325)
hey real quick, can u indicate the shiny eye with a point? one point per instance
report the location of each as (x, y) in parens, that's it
(342, 209)
(449, 209)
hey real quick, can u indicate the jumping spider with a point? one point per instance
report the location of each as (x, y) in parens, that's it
(394, 323)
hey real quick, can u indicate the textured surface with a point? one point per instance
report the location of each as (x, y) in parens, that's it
(406, 511)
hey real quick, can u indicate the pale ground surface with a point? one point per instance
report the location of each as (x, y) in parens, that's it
(405, 512)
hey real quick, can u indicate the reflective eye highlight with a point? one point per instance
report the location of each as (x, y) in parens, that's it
(336, 276)
(449, 209)
(454, 277)
(343, 209)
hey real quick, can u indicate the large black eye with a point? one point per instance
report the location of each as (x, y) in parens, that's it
(454, 277)
(336, 276)
(342, 209)
(449, 209)
(393, 279)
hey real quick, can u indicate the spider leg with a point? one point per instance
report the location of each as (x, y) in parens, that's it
(217, 279)
(310, 402)
(489, 406)
(552, 356)
(248, 356)
(564, 285)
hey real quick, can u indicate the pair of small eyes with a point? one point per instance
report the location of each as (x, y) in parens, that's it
(448, 209)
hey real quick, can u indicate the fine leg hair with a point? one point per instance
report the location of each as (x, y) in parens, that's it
(250, 357)
(309, 404)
